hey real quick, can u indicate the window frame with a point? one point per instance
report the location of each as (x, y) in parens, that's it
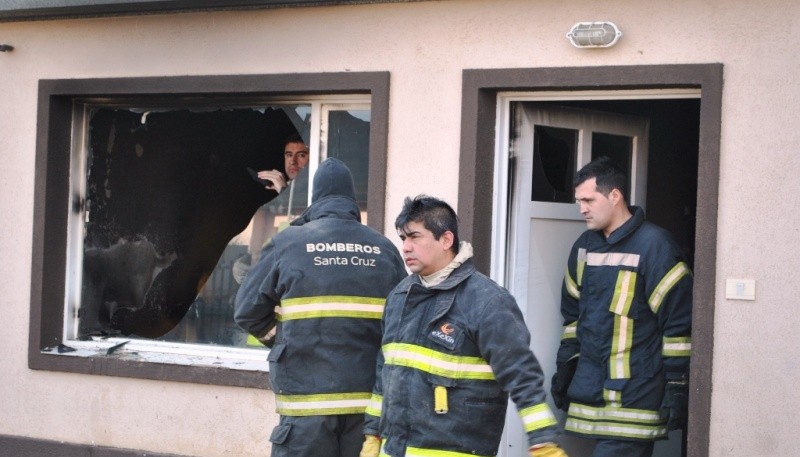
(54, 143)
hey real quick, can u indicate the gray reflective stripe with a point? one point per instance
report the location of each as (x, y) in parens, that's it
(615, 421)
(537, 417)
(331, 306)
(616, 414)
(665, 285)
(572, 287)
(437, 363)
(613, 429)
(581, 265)
(679, 346)
(619, 361)
(612, 259)
(322, 404)
(570, 331)
(613, 397)
(375, 405)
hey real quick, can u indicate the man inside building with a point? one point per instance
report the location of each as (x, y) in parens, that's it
(295, 156)
(454, 348)
(324, 281)
(623, 363)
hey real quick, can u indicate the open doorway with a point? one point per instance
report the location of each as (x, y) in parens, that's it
(655, 141)
(682, 181)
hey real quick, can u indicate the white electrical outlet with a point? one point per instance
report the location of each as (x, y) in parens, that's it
(740, 289)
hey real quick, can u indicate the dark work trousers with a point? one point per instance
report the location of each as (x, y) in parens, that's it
(318, 436)
(617, 448)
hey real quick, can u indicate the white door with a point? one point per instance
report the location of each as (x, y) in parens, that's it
(547, 146)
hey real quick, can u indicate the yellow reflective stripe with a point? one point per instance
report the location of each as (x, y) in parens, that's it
(331, 306)
(572, 287)
(614, 421)
(615, 429)
(322, 404)
(581, 265)
(612, 259)
(375, 405)
(437, 363)
(570, 331)
(677, 346)
(420, 452)
(612, 397)
(623, 292)
(665, 285)
(537, 417)
(619, 363)
(616, 414)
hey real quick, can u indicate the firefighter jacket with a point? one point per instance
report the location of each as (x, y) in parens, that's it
(451, 355)
(627, 308)
(324, 279)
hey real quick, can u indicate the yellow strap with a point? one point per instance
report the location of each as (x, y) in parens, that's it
(440, 399)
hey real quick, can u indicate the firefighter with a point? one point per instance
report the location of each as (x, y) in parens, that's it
(322, 284)
(455, 346)
(623, 362)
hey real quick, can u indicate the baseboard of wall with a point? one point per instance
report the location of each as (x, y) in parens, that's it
(20, 446)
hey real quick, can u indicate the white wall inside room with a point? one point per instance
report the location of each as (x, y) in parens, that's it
(425, 46)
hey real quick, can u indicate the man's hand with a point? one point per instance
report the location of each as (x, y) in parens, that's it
(371, 446)
(275, 177)
(547, 450)
(675, 406)
(561, 381)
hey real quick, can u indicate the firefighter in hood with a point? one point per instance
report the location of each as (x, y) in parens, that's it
(321, 284)
(623, 364)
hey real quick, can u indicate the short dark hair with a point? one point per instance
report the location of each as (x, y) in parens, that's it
(293, 138)
(436, 215)
(607, 174)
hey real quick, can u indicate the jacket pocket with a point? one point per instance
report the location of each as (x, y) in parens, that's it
(624, 292)
(280, 434)
(276, 352)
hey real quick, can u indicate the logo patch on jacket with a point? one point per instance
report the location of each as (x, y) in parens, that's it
(446, 333)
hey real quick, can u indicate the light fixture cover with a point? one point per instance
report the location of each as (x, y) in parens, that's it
(594, 34)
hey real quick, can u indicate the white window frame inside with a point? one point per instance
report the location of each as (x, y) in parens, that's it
(144, 350)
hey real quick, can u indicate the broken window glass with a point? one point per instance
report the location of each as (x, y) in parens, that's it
(167, 196)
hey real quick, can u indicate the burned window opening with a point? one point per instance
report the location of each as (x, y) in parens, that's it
(165, 193)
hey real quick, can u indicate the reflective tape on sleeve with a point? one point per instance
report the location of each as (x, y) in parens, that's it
(375, 405)
(570, 331)
(537, 417)
(666, 284)
(572, 287)
(678, 346)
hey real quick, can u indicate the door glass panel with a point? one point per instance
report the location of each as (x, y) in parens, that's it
(618, 148)
(348, 141)
(554, 163)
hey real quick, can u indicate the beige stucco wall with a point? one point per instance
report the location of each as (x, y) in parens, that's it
(425, 46)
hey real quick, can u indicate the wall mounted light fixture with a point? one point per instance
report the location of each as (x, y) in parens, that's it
(594, 34)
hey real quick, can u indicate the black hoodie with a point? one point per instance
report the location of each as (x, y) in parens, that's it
(330, 276)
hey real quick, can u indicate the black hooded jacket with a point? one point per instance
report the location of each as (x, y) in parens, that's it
(324, 280)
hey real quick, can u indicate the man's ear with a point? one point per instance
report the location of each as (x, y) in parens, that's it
(447, 240)
(615, 196)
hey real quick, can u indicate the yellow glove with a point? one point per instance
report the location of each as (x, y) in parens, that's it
(547, 450)
(371, 446)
